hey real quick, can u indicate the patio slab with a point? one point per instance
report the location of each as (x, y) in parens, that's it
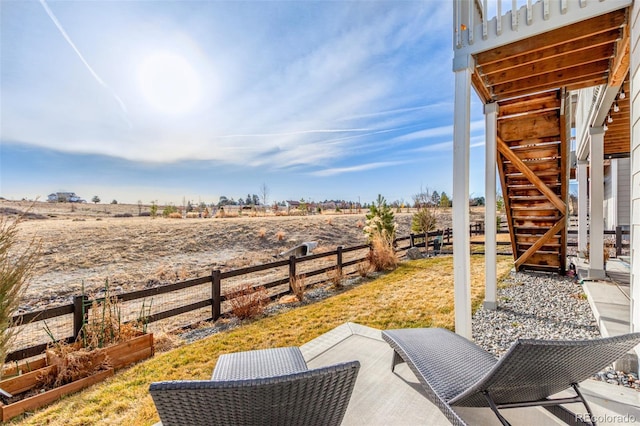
(383, 397)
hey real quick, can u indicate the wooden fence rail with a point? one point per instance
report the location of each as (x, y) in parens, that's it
(434, 240)
(82, 304)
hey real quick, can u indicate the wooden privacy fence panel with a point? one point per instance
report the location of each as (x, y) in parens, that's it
(203, 292)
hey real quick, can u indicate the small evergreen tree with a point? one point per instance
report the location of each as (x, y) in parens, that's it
(380, 221)
(444, 200)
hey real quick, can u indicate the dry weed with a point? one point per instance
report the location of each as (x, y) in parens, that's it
(182, 273)
(175, 215)
(164, 342)
(359, 224)
(262, 232)
(15, 270)
(364, 268)
(298, 287)
(336, 277)
(248, 301)
(163, 273)
(280, 235)
(71, 363)
(329, 221)
(382, 257)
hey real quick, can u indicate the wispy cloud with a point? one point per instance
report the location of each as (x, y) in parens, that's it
(358, 168)
(77, 51)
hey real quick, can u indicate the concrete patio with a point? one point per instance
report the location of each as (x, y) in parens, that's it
(383, 397)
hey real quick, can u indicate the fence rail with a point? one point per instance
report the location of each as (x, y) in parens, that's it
(217, 293)
(81, 304)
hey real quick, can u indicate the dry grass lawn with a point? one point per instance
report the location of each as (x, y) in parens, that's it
(417, 294)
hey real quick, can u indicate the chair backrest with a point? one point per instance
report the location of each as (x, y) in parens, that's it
(313, 397)
(535, 369)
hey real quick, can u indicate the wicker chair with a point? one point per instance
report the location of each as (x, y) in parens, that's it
(457, 372)
(282, 392)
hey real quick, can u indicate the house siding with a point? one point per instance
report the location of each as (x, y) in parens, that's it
(635, 160)
(624, 192)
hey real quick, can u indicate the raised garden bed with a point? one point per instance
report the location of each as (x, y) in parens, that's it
(118, 356)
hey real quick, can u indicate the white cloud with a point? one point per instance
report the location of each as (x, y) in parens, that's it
(358, 168)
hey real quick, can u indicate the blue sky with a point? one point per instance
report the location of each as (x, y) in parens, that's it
(165, 100)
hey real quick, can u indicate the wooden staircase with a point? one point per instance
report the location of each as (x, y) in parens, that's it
(533, 151)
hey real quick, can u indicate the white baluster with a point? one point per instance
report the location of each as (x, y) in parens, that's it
(499, 17)
(545, 9)
(484, 20)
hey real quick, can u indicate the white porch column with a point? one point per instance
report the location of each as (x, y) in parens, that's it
(596, 215)
(462, 66)
(490, 246)
(583, 205)
(634, 74)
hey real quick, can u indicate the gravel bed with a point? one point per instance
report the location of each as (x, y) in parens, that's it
(541, 306)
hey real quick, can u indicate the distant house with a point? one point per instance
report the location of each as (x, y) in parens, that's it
(64, 197)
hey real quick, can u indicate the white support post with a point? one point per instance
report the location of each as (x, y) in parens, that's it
(596, 214)
(583, 205)
(462, 66)
(490, 246)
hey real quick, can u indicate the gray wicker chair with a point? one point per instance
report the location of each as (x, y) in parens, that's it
(457, 372)
(294, 395)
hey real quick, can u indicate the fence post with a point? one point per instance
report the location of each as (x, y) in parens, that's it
(411, 241)
(292, 271)
(79, 314)
(618, 240)
(216, 300)
(339, 258)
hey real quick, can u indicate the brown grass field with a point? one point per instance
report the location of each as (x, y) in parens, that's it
(85, 244)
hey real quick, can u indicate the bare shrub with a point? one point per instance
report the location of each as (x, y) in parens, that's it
(248, 301)
(298, 287)
(280, 235)
(363, 268)
(336, 277)
(15, 270)
(262, 232)
(382, 257)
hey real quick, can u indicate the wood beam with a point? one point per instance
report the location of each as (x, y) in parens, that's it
(605, 38)
(620, 65)
(529, 104)
(568, 34)
(507, 204)
(571, 84)
(531, 176)
(481, 88)
(546, 66)
(557, 78)
(559, 225)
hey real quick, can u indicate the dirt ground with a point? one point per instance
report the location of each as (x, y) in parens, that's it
(86, 244)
